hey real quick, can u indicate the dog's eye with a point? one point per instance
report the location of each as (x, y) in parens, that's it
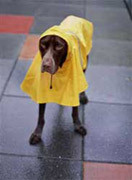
(43, 46)
(58, 46)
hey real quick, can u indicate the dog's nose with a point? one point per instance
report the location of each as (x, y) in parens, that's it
(47, 63)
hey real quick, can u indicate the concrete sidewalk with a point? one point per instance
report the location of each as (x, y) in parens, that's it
(106, 152)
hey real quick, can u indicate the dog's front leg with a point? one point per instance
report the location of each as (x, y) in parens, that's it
(78, 127)
(36, 135)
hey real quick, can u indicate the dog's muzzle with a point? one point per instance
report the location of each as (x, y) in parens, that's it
(48, 65)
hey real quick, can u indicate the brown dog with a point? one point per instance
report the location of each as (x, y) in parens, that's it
(53, 51)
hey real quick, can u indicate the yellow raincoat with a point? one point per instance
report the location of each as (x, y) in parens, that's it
(69, 81)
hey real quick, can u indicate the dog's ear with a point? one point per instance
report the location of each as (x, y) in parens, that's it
(64, 56)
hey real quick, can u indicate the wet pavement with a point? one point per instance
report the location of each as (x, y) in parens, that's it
(106, 152)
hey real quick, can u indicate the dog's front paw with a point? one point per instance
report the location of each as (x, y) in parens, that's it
(81, 130)
(34, 139)
(83, 98)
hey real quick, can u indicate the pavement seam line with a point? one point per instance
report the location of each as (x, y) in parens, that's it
(43, 157)
(107, 162)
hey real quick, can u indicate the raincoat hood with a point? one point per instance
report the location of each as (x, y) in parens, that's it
(69, 81)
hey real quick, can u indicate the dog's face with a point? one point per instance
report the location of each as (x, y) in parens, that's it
(53, 51)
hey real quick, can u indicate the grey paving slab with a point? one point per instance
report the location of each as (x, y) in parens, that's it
(24, 168)
(18, 8)
(41, 8)
(42, 23)
(19, 119)
(52, 1)
(0, 126)
(6, 0)
(111, 52)
(112, 23)
(10, 45)
(109, 84)
(5, 69)
(60, 10)
(108, 3)
(109, 136)
(13, 86)
(66, 1)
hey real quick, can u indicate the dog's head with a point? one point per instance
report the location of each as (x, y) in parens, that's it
(53, 51)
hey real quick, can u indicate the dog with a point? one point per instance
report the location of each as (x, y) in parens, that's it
(53, 52)
(53, 57)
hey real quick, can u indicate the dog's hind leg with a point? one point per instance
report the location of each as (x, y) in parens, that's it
(83, 98)
(78, 127)
(36, 135)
